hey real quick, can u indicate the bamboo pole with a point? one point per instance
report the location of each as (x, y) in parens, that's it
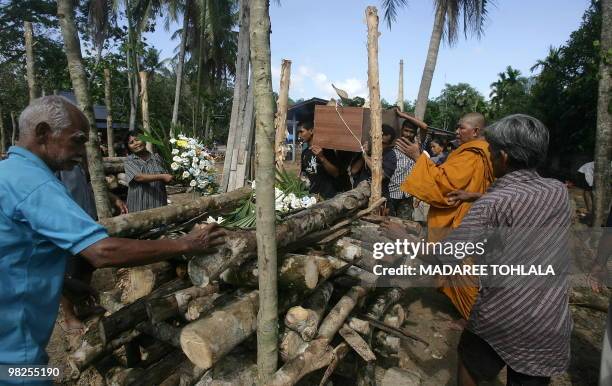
(110, 138)
(144, 100)
(72, 47)
(267, 317)
(281, 113)
(400, 89)
(30, 70)
(375, 111)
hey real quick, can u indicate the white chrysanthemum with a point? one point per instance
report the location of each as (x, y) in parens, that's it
(193, 183)
(175, 151)
(174, 166)
(185, 174)
(313, 200)
(172, 140)
(296, 203)
(196, 172)
(176, 158)
(253, 184)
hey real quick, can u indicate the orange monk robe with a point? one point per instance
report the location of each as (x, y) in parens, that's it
(467, 168)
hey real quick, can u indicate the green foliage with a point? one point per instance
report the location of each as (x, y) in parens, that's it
(509, 94)
(290, 182)
(454, 102)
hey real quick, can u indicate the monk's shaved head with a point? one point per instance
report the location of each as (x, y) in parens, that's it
(474, 120)
(470, 127)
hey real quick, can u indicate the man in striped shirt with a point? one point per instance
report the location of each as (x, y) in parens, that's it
(400, 203)
(519, 322)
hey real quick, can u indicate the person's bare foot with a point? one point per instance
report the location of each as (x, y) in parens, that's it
(457, 325)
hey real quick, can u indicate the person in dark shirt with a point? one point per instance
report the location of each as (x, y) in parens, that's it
(318, 165)
(361, 169)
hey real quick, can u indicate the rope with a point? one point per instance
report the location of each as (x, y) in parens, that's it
(349, 129)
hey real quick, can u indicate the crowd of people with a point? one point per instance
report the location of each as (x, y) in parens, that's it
(488, 182)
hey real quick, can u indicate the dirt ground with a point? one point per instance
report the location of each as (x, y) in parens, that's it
(428, 314)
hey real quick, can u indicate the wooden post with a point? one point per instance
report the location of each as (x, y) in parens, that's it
(239, 103)
(400, 89)
(14, 123)
(267, 317)
(375, 112)
(72, 47)
(603, 141)
(110, 138)
(31, 73)
(281, 113)
(144, 100)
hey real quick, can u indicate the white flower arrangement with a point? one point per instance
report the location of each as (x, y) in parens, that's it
(289, 202)
(193, 164)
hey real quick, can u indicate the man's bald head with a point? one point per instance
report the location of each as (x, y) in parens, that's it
(55, 130)
(470, 127)
(55, 111)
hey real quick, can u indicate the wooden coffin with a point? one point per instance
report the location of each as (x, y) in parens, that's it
(332, 133)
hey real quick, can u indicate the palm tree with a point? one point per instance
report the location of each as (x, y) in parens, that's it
(552, 60)
(446, 24)
(72, 47)
(603, 141)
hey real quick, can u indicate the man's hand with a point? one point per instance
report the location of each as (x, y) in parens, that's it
(596, 278)
(203, 238)
(120, 205)
(317, 151)
(411, 149)
(167, 178)
(393, 230)
(458, 196)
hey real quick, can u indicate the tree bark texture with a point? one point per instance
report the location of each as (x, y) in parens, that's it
(375, 109)
(179, 70)
(110, 137)
(281, 113)
(144, 100)
(400, 88)
(30, 69)
(430, 63)
(15, 128)
(2, 134)
(165, 307)
(240, 245)
(305, 319)
(133, 224)
(603, 141)
(239, 101)
(138, 282)
(265, 176)
(72, 47)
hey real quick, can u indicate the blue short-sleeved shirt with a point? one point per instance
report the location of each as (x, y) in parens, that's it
(40, 226)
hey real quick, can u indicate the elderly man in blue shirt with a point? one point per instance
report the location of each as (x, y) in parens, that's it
(41, 225)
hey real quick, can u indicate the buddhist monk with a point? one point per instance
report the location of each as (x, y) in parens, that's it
(450, 188)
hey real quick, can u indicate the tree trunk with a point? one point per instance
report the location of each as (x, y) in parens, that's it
(235, 369)
(110, 138)
(138, 282)
(239, 101)
(2, 134)
(201, 64)
(129, 316)
(281, 113)
(31, 72)
(430, 63)
(179, 70)
(400, 89)
(160, 309)
(305, 320)
(15, 128)
(72, 46)
(265, 173)
(144, 100)
(133, 224)
(132, 67)
(375, 111)
(240, 245)
(603, 142)
(206, 340)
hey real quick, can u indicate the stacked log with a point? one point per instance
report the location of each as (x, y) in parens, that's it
(185, 330)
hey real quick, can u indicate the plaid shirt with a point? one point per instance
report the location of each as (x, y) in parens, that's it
(402, 170)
